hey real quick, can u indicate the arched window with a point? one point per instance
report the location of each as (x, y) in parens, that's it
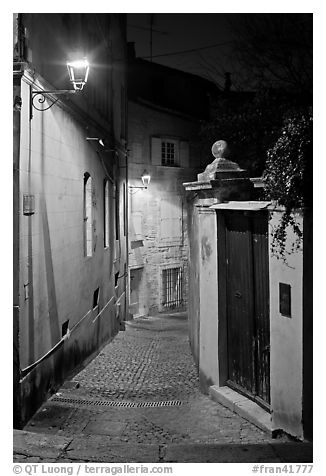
(88, 215)
(106, 214)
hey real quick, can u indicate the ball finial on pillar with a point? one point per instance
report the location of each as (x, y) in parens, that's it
(221, 167)
(220, 149)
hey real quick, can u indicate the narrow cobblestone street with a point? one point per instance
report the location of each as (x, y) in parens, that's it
(140, 398)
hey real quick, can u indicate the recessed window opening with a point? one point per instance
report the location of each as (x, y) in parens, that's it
(169, 153)
(96, 297)
(106, 214)
(172, 288)
(88, 215)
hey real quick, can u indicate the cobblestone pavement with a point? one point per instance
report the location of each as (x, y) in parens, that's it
(142, 389)
(149, 362)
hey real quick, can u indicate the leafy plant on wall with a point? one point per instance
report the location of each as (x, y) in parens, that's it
(288, 177)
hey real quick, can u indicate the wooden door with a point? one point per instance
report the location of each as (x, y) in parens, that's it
(247, 303)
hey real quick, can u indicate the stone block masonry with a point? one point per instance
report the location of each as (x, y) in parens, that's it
(164, 241)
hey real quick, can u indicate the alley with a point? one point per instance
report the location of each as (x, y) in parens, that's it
(139, 401)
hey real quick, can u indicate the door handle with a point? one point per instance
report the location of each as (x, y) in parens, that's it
(238, 294)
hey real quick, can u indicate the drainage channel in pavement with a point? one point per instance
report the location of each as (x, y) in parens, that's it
(112, 403)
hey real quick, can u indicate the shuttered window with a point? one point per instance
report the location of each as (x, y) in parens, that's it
(169, 152)
(184, 153)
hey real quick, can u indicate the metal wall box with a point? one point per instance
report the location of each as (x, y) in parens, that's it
(28, 204)
(285, 299)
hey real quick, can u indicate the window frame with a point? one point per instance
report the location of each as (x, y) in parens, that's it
(88, 215)
(165, 142)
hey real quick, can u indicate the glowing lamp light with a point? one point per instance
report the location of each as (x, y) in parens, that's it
(145, 178)
(78, 73)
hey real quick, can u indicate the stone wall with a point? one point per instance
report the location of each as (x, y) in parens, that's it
(67, 303)
(57, 280)
(158, 237)
(148, 249)
(286, 356)
(290, 331)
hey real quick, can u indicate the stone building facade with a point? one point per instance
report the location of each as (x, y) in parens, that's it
(163, 141)
(70, 235)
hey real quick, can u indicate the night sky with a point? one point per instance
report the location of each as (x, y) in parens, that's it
(178, 32)
(218, 42)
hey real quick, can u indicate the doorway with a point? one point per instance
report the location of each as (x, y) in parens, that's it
(136, 305)
(247, 304)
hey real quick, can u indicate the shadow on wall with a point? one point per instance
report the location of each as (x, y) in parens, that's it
(50, 282)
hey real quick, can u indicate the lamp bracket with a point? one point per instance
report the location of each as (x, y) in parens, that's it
(134, 189)
(41, 96)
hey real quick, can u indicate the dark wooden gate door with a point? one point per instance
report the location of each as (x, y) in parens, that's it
(247, 296)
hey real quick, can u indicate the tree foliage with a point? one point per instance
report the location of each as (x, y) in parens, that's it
(269, 128)
(274, 50)
(288, 175)
(250, 123)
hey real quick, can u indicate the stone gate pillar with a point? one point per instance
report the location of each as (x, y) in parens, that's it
(222, 180)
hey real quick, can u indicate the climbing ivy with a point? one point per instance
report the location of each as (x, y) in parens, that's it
(288, 177)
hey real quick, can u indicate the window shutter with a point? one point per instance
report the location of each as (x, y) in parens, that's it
(171, 220)
(156, 151)
(136, 226)
(184, 154)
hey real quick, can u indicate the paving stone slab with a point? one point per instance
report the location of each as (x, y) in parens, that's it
(106, 427)
(49, 418)
(101, 449)
(37, 444)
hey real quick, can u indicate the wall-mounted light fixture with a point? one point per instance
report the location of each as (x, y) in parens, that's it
(78, 75)
(145, 178)
(95, 139)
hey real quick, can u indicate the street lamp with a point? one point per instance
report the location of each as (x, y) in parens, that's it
(78, 75)
(145, 178)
